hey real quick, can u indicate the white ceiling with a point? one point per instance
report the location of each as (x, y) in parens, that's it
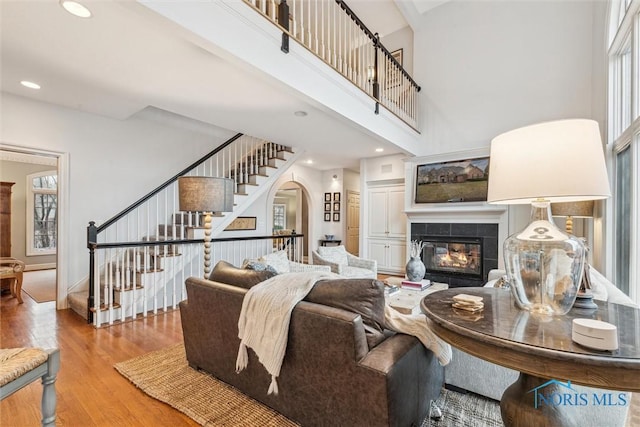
(120, 63)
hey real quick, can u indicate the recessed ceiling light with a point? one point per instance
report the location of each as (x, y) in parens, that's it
(30, 85)
(379, 150)
(300, 113)
(309, 162)
(75, 8)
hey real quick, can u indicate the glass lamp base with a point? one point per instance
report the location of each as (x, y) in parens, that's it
(544, 265)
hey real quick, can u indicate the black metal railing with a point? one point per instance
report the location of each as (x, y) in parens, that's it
(153, 273)
(334, 33)
(154, 221)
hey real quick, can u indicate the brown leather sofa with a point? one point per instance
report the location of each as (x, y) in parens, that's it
(330, 376)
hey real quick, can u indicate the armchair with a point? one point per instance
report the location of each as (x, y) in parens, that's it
(344, 263)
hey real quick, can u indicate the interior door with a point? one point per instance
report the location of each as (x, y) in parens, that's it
(353, 222)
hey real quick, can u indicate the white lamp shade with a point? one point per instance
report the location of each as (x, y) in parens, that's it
(205, 194)
(560, 161)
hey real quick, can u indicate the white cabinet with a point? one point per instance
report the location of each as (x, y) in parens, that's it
(390, 254)
(387, 225)
(386, 216)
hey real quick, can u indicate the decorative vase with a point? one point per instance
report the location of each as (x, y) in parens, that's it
(415, 269)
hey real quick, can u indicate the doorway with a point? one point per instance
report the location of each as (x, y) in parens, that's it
(353, 222)
(290, 211)
(36, 218)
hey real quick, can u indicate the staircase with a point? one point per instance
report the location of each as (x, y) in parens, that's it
(143, 255)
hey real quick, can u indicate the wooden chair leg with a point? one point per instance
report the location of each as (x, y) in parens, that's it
(18, 284)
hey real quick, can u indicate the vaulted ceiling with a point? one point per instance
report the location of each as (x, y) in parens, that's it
(120, 63)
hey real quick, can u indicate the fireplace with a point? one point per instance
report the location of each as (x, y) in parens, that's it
(458, 254)
(453, 255)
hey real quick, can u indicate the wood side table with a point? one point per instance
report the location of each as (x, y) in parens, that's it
(332, 242)
(540, 348)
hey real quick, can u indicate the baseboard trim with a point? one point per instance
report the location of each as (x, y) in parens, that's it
(34, 267)
(455, 388)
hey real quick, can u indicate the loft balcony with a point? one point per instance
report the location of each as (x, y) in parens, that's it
(332, 31)
(323, 53)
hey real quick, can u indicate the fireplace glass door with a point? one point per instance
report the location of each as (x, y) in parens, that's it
(453, 256)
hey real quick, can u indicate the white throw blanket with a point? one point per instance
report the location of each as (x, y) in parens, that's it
(416, 325)
(265, 315)
(266, 312)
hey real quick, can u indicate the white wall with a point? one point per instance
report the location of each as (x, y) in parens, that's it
(491, 66)
(111, 163)
(401, 39)
(384, 168)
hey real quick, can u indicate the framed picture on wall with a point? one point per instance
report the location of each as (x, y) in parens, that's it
(327, 207)
(394, 74)
(397, 55)
(336, 197)
(242, 223)
(336, 206)
(336, 216)
(327, 197)
(327, 216)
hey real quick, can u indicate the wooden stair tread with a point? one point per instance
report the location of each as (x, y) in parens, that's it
(150, 270)
(130, 289)
(104, 307)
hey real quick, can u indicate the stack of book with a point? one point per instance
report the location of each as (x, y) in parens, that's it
(391, 289)
(418, 286)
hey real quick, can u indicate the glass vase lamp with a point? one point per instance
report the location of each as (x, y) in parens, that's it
(207, 195)
(558, 161)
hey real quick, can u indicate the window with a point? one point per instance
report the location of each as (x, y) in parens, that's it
(279, 217)
(623, 144)
(42, 213)
(623, 219)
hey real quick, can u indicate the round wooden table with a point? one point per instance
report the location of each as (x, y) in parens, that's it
(540, 347)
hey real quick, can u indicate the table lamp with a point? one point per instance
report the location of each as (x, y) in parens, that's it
(207, 195)
(571, 210)
(558, 161)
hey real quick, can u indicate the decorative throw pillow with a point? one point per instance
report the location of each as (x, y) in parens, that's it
(362, 296)
(225, 272)
(335, 254)
(258, 266)
(277, 260)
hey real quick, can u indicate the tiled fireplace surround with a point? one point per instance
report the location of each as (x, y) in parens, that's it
(488, 233)
(463, 221)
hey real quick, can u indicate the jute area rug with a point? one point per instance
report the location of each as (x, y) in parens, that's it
(166, 376)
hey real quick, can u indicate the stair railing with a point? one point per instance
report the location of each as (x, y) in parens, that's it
(143, 277)
(335, 34)
(155, 225)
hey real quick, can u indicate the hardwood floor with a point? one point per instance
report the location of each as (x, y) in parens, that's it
(90, 391)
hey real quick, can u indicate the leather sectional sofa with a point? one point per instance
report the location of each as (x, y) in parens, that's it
(341, 367)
